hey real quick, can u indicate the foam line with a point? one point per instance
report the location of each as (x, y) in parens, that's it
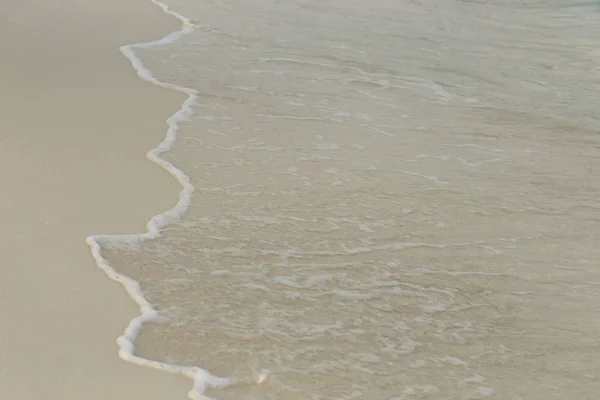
(202, 378)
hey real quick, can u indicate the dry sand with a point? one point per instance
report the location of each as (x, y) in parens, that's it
(75, 123)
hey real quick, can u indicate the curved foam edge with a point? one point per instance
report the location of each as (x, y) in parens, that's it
(202, 378)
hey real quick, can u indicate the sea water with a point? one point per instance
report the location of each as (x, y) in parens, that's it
(382, 200)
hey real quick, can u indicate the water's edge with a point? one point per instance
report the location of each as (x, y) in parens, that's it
(201, 377)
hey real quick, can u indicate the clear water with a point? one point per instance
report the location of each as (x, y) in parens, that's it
(394, 200)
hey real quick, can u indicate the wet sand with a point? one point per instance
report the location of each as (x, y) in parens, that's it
(75, 123)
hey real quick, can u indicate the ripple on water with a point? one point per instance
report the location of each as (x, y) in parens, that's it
(394, 200)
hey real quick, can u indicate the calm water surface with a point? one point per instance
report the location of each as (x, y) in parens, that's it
(395, 200)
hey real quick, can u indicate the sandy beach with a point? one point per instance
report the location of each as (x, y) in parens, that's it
(392, 200)
(75, 123)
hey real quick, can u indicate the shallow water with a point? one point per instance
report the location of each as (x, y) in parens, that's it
(394, 200)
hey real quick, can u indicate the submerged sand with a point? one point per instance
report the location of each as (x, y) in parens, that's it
(75, 122)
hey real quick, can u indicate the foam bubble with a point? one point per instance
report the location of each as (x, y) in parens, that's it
(201, 378)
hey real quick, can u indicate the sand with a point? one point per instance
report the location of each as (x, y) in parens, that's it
(75, 123)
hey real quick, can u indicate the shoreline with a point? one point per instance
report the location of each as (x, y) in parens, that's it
(200, 377)
(72, 166)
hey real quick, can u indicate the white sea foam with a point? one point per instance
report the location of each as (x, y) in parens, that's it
(372, 215)
(202, 378)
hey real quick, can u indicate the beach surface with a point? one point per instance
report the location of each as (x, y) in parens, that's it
(75, 123)
(393, 200)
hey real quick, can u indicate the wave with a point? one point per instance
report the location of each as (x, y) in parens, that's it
(201, 377)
